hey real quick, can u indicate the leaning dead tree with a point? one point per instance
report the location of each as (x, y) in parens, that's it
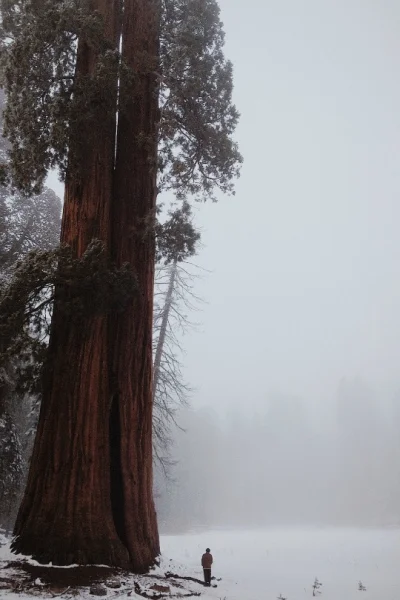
(174, 298)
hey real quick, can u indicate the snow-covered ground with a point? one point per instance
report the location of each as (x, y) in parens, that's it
(257, 565)
(265, 564)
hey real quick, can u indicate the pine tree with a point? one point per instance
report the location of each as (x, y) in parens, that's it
(89, 491)
(10, 468)
(26, 224)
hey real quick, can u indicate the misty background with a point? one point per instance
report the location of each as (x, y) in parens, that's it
(295, 412)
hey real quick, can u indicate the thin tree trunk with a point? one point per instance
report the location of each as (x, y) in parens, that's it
(133, 242)
(66, 514)
(7, 496)
(16, 248)
(163, 328)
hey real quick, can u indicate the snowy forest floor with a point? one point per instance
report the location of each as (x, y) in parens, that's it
(25, 579)
(248, 565)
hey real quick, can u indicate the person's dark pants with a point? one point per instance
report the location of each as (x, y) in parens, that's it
(207, 576)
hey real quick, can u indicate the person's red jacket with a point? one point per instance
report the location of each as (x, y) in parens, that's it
(206, 560)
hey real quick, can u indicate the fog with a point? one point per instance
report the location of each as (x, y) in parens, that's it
(280, 467)
(305, 286)
(295, 368)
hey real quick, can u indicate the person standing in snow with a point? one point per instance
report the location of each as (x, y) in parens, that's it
(206, 562)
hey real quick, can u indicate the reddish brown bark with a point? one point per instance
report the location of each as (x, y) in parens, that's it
(133, 242)
(89, 494)
(66, 514)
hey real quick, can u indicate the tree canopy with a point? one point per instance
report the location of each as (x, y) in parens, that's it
(47, 102)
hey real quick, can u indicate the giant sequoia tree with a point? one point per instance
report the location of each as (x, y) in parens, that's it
(76, 102)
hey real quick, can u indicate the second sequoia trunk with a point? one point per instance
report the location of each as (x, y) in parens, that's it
(133, 216)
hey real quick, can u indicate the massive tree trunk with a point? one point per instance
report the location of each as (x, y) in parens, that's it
(66, 514)
(89, 492)
(133, 242)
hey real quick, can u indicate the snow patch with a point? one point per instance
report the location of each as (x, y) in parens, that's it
(286, 563)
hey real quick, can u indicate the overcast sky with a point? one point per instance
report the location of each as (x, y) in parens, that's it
(305, 259)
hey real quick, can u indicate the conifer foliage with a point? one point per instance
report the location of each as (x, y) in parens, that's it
(26, 225)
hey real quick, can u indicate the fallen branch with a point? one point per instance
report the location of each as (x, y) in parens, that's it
(60, 593)
(170, 575)
(140, 592)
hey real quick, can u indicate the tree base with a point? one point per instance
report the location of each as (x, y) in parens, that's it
(73, 551)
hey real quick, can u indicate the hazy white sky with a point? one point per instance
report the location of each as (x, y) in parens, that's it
(305, 259)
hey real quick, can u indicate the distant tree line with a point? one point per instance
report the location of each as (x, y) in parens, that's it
(285, 465)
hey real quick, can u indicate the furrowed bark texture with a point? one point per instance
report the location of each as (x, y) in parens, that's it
(66, 514)
(133, 242)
